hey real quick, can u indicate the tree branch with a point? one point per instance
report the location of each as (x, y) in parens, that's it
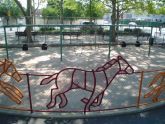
(21, 7)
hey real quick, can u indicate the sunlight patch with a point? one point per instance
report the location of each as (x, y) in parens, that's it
(128, 87)
(38, 59)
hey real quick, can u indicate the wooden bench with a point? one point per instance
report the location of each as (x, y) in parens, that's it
(77, 34)
(24, 34)
(148, 35)
(142, 34)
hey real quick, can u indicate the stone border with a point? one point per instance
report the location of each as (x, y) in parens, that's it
(117, 113)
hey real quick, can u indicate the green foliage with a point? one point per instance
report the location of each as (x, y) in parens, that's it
(95, 10)
(49, 12)
(74, 8)
(161, 10)
(3, 10)
(150, 6)
(47, 29)
(70, 8)
(9, 8)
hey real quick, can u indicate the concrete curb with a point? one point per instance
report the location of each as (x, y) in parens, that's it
(96, 115)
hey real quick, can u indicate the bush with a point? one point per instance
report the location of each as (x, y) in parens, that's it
(47, 29)
(137, 30)
(128, 30)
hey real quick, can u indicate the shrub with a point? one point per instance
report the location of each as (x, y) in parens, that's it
(137, 30)
(47, 29)
(127, 30)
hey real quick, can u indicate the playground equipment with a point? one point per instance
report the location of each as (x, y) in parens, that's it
(74, 78)
(7, 68)
(108, 72)
(25, 47)
(156, 90)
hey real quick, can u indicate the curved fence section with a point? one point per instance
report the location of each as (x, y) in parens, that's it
(127, 92)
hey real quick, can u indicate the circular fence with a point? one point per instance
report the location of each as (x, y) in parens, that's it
(112, 88)
(127, 92)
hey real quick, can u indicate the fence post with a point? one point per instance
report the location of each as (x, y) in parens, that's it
(109, 49)
(140, 88)
(61, 37)
(29, 91)
(6, 44)
(149, 42)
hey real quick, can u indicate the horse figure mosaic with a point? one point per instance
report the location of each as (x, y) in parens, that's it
(7, 68)
(157, 90)
(94, 81)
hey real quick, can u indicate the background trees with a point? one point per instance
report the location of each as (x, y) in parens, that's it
(27, 13)
(59, 9)
(83, 8)
(9, 8)
(75, 8)
(155, 6)
(91, 9)
(117, 8)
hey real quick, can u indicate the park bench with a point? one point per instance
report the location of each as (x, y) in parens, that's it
(148, 35)
(141, 34)
(77, 34)
(24, 34)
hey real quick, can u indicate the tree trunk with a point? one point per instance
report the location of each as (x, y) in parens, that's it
(29, 21)
(117, 16)
(113, 18)
(34, 13)
(28, 29)
(90, 10)
(28, 18)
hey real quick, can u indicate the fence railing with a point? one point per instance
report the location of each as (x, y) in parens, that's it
(133, 97)
(78, 35)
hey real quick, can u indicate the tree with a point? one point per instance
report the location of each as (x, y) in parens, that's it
(93, 9)
(155, 6)
(27, 13)
(61, 9)
(148, 6)
(54, 9)
(9, 8)
(117, 8)
(75, 8)
(112, 4)
(70, 8)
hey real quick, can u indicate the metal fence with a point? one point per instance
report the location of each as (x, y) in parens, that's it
(79, 35)
(131, 94)
(59, 36)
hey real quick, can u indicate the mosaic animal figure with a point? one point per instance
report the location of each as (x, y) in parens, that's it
(157, 90)
(94, 81)
(7, 68)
